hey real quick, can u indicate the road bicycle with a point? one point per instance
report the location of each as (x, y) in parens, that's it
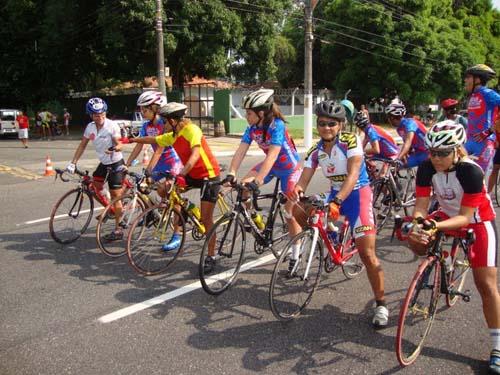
(228, 236)
(441, 272)
(296, 276)
(392, 192)
(157, 224)
(73, 212)
(133, 203)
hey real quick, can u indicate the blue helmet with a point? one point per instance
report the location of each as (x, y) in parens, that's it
(96, 105)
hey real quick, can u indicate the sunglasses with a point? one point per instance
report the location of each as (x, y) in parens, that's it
(330, 124)
(440, 153)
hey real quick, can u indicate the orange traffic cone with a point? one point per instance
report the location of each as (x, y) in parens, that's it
(48, 167)
(145, 158)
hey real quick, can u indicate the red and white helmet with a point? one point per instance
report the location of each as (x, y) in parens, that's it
(151, 97)
(445, 134)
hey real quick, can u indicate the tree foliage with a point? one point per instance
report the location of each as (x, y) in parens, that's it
(52, 46)
(417, 48)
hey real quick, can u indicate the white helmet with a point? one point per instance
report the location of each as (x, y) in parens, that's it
(151, 97)
(260, 99)
(445, 134)
(173, 110)
(395, 109)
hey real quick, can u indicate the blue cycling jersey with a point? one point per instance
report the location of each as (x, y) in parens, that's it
(169, 160)
(409, 125)
(275, 134)
(388, 147)
(482, 109)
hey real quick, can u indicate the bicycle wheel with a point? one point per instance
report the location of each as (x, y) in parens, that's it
(460, 267)
(149, 232)
(228, 238)
(497, 198)
(291, 292)
(280, 232)
(409, 195)
(132, 207)
(353, 266)
(382, 202)
(418, 311)
(71, 216)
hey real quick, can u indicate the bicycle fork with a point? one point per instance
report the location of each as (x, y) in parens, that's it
(311, 254)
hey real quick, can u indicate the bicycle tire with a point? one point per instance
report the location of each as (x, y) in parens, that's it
(226, 233)
(61, 211)
(290, 293)
(409, 193)
(456, 278)
(382, 202)
(106, 224)
(280, 232)
(353, 266)
(497, 199)
(418, 311)
(149, 232)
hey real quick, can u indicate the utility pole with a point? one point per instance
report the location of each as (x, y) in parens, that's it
(160, 55)
(309, 6)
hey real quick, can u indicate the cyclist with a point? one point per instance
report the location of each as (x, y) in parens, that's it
(199, 166)
(459, 187)
(340, 156)
(482, 111)
(381, 142)
(413, 151)
(105, 135)
(450, 112)
(164, 159)
(268, 129)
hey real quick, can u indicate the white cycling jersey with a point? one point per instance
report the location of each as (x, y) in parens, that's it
(103, 140)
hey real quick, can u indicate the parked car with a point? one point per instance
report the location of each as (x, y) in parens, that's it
(8, 123)
(131, 124)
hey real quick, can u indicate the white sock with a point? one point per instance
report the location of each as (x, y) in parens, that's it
(295, 251)
(495, 338)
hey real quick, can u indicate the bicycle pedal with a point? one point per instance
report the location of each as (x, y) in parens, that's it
(465, 295)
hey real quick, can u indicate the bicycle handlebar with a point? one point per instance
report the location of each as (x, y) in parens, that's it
(392, 162)
(60, 173)
(403, 227)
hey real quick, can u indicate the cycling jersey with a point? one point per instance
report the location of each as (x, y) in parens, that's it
(275, 134)
(334, 166)
(188, 137)
(169, 160)
(102, 140)
(462, 186)
(483, 109)
(388, 147)
(410, 125)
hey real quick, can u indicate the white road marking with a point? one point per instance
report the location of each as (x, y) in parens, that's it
(132, 309)
(56, 217)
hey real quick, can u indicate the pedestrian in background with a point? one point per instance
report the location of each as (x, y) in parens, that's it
(53, 124)
(38, 124)
(45, 116)
(66, 118)
(24, 124)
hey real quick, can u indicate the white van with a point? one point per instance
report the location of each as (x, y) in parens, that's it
(8, 123)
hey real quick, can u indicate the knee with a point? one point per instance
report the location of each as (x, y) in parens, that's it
(486, 289)
(368, 256)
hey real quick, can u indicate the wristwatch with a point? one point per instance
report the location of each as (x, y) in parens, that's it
(338, 201)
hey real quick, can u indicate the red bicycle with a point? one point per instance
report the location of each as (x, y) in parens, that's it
(298, 270)
(442, 271)
(73, 212)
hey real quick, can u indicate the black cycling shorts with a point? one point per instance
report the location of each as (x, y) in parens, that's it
(496, 158)
(115, 178)
(208, 193)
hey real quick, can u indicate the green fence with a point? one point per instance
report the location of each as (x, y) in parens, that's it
(238, 125)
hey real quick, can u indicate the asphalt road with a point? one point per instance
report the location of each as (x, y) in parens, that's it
(53, 300)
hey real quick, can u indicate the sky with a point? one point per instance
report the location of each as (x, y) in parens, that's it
(496, 4)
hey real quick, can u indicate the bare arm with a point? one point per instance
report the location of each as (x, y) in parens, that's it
(353, 168)
(195, 155)
(134, 154)
(154, 159)
(421, 207)
(374, 149)
(238, 158)
(144, 140)
(80, 149)
(407, 145)
(268, 163)
(456, 222)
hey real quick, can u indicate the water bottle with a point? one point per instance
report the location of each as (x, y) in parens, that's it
(194, 210)
(257, 219)
(134, 162)
(332, 231)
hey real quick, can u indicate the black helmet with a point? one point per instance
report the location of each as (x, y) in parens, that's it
(361, 120)
(328, 108)
(484, 72)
